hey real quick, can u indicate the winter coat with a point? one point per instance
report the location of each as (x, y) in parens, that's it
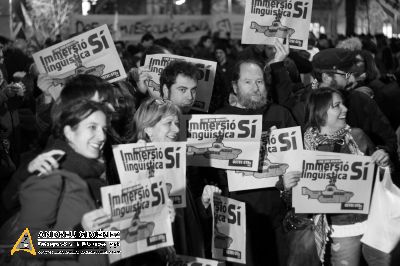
(48, 204)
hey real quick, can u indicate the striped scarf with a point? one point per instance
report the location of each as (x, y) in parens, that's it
(312, 139)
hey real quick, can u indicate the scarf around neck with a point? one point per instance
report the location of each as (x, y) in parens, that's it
(313, 138)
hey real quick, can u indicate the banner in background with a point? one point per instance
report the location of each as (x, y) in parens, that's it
(222, 141)
(139, 211)
(183, 27)
(132, 28)
(167, 160)
(265, 20)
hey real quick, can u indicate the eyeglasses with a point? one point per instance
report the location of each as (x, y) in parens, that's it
(346, 75)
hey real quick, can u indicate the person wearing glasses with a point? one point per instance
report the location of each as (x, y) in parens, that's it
(327, 130)
(332, 68)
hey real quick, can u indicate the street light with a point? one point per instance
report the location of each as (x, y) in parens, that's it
(85, 7)
(179, 2)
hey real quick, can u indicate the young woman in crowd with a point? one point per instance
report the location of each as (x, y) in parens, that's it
(58, 200)
(327, 131)
(81, 87)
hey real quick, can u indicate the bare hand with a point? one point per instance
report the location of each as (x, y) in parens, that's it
(208, 192)
(282, 50)
(45, 84)
(381, 158)
(290, 179)
(95, 220)
(45, 162)
(140, 75)
(171, 210)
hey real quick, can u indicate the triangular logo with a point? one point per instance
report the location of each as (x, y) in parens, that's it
(24, 243)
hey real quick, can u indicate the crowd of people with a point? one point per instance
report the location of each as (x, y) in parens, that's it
(56, 154)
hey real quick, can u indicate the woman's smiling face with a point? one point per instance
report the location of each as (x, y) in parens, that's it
(336, 115)
(166, 130)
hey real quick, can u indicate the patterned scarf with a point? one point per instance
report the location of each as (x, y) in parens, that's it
(312, 139)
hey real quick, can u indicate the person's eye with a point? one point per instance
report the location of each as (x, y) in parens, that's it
(182, 90)
(260, 81)
(92, 127)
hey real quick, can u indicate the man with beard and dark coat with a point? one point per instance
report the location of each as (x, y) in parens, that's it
(265, 239)
(332, 69)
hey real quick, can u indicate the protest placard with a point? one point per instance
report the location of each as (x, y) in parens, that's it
(159, 159)
(222, 141)
(139, 211)
(227, 25)
(275, 141)
(265, 20)
(331, 182)
(92, 52)
(229, 229)
(182, 260)
(157, 62)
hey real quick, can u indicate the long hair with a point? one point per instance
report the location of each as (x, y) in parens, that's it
(318, 104)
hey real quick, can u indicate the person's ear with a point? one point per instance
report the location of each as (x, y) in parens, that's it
(326, 79)
(165, 92)
(234, 87)
(149, 132)
(68, 133)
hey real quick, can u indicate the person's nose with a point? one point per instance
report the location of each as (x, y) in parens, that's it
(190, 95)
(101, 134)
(175, 128)
(344, 109)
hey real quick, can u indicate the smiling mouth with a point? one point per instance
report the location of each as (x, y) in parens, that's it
(97, 146)
(173, 137)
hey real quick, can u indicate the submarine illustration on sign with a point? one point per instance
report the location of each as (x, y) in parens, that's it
(221, 240)
(269, 169)
(137, 231)
(151, 84)
(79, 70)
(217, 151)
(276, 29)
(330, 195)
(93, 70)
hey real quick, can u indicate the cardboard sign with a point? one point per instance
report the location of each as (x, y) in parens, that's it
(278, 140)
(92, 52)
(222, 141)
(158, 62)
(139, 211)
(331, 182)
(167, 160)
(265, 20)
(229, 229)
(226, 24)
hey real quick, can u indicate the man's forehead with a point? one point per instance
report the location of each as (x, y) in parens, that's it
(184, 80)
(250, 68)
